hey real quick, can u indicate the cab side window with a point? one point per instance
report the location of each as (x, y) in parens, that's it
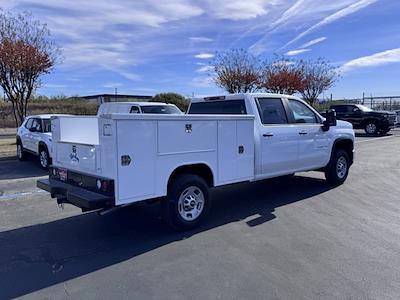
(37, 125)
(272, 111)
(134, 110)
(301, 113)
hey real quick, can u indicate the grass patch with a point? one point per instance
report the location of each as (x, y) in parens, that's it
(7, 148)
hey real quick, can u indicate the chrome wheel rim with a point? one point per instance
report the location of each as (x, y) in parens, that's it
(371, 128)
(19, 151)
(341, 167)
(43, 159)
(191, 203)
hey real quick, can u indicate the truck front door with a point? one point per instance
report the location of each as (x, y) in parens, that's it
(278, 139)
(313, 141)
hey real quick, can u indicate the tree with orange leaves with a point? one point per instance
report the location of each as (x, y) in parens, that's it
(26, 53)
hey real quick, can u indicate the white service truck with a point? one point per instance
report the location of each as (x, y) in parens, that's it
(101, 163)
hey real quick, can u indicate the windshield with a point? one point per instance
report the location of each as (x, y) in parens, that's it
(160, 109)
(364, 108)
(46, 125)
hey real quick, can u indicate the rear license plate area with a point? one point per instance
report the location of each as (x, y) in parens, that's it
(63, 174)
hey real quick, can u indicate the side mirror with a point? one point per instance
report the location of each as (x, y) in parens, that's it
(32, 129)
(330, 119)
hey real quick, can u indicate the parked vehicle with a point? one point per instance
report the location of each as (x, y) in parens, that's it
(34, 136)
(398, 117)
(138, 108)
(362, 117)
(103, 163)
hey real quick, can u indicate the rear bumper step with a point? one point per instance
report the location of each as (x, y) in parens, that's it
(66, 193)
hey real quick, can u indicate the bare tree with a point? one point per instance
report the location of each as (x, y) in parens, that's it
(236, 71)
(26, 53)
(319, 76)
(283, 76)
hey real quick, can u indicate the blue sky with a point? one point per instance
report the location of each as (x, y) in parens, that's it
(151, 46)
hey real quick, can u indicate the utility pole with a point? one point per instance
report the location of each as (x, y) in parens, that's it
(116, 91)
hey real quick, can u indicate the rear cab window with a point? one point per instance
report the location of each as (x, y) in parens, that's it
(224, 107)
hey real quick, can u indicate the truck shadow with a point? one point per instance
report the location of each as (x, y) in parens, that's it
(14, 169)
(42, 255)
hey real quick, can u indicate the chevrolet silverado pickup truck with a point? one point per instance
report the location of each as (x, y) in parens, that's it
(362, 117)
(106, 162)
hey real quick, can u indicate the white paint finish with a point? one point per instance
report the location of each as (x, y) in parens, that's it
(138, 139)
(279, 152)
(227, 154)
(173, 137)
(78, 129)
(245, 161)
(75, 156)
(313, 146)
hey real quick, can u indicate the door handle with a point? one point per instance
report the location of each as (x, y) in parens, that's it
(268, 134)
(303, 132)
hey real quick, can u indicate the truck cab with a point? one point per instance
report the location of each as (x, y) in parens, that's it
(289, 135)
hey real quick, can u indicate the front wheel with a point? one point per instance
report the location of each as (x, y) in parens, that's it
(338, 168)
(187, 202)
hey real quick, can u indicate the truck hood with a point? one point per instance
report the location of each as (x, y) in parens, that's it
(344, 124)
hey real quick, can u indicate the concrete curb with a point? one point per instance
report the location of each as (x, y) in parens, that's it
(7, 158)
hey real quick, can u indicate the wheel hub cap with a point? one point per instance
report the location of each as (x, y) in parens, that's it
(371, 128)
(43, 159)
(341, 167)
(191, 203)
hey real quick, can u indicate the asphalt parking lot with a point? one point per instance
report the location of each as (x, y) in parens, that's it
(276, 239)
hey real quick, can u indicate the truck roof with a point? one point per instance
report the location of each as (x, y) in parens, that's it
(137, 103)
(240, 97)
(47, 116)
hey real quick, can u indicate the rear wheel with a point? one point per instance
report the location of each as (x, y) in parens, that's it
(371, 128)
(187, 202)
(21, 155)
(44, 158)
(338, 168)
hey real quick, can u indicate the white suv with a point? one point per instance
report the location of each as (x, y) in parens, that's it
(34, 137)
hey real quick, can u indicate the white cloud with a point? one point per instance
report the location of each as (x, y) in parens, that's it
(111, 85)
(205, 69)
(313, 42)
(353, 8)
(237, 9)
(377, 59)
(204, 55)
(200, 39)
(202, 81)
(297, 52)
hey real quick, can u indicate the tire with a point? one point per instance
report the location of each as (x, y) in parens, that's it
(338, 168)
(21, 155)
(44, 157)
(187, 202)
(371, 128)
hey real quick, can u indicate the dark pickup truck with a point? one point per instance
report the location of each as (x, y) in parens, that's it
(362, 117)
